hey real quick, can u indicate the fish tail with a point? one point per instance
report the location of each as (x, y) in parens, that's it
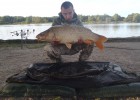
(100, 41)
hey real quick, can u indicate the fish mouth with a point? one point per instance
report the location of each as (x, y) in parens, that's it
(41, 38)
(38, 37)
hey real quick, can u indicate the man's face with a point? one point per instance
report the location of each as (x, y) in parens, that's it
(67, 13)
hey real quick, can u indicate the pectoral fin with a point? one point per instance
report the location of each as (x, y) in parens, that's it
(100, 41)
(68, 45)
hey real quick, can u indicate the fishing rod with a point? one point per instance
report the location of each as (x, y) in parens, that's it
(23, 34)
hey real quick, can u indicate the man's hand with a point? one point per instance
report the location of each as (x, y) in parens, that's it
(55, 42)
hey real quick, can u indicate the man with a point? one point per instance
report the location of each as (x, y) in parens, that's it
(54, 51)
(67, 15)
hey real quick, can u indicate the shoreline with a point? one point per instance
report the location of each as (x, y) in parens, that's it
(118, 39)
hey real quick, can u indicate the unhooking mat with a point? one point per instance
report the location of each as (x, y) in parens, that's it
(75, 74)
(89, 79)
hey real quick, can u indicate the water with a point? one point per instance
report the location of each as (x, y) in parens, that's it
(116, 30)
(9, 31)
(108, 30)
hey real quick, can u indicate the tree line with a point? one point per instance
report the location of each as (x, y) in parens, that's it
(116, 18)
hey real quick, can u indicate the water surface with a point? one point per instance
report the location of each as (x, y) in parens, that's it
(108, 30)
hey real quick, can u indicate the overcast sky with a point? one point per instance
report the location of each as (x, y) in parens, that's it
(49, 8)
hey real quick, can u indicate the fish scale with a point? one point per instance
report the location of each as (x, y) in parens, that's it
(69, 34)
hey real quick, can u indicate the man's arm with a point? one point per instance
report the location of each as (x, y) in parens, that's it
(56, 22)
(78, 22)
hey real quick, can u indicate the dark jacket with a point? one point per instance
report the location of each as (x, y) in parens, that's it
(61, 21)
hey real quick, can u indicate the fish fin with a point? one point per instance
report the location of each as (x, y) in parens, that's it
(103, 38)
(100, 41)
(68, 45)
(55, 42)
(89, 42)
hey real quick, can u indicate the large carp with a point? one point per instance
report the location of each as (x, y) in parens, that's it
(69, 34)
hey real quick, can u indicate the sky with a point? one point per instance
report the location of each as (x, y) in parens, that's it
(49, 8)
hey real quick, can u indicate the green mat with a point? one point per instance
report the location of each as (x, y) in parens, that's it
(128, 90)
(30, 90)
(18, 90)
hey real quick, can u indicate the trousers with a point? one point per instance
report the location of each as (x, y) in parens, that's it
(54, 52)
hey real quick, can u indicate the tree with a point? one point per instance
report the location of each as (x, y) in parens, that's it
(7, 20)
(91, 19)
(28, 20)
(129, 18)
(84, 18)
(136, 18)
(36, 19)
(116, 18)
(98, 19)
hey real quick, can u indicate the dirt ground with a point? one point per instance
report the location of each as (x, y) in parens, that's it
(14, 60)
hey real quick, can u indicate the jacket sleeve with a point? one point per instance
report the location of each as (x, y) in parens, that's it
(78, 22)
(56, 22)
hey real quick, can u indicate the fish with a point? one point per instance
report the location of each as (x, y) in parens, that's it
(70, 34)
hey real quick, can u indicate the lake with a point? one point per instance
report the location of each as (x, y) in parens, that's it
(109, 30)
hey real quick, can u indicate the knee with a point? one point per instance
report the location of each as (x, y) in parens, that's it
(52, 51)
(48, 50)
(86, 52)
